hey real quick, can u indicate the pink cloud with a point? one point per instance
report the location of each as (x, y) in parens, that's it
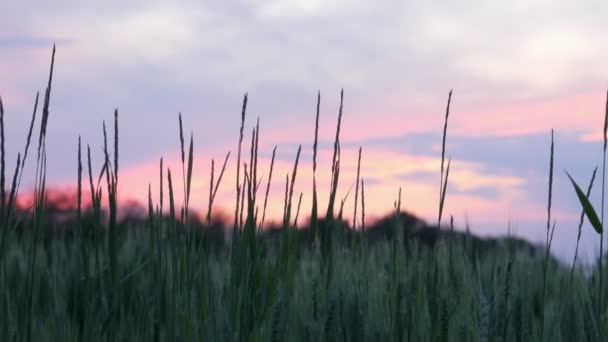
(582, 111)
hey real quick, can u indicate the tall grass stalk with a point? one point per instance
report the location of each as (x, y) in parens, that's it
(285, 200)
(25, 153)
(274, 150)
(445, 130)
(293, 181)
(172, 216)
(443, 192)
(548, 237)
(151, 218)
(112, 238)
(96, 206)
(213, 188)
(12, 195)
(39, 201)
(183, 156)
(252, 161)
(255, 161)
(242, 201)
(362, 206)
(189, 176)
(83, 249)
(354, 227)
(314, 210)
(29, 137)
(160, 188)
(238, 167)
(335, 165)
(443, 183)
(342, 202)
(295, 221)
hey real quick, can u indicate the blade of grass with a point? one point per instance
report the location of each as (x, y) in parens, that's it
(28, 140)
(90, 175)
(587, 207)
(112, 239)
(11, 204)
(580, 225)
(84, 251)
(252, 162)
(211, 183)
(189, 176)
(314, 209)
(27, 145)
(293, 181)
(337, 140)
(335, 163)
(150, 217)
(171, 200)
(342, 202)
(238, 167)
(441, 183)
(183, 155)
(79, 204)
(295, 221)
(45, 108)
(357, 191)
(39, 198)
(242, 207)
(161, 188)
(548, 239)
(332, 195)
(444, 189)
(252, 155)
(398, 207)
(362, 206)
(13, 194)
(216, 187)
(274, 150)
(285, 200)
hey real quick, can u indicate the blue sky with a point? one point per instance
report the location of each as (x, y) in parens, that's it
(518, 69)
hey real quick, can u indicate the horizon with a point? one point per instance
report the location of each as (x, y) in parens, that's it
(548, 73)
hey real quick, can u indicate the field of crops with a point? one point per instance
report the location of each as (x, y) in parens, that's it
(316, 279)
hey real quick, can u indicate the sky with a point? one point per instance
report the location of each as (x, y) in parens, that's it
(517, 69)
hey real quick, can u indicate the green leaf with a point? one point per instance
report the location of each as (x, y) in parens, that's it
(587, 207)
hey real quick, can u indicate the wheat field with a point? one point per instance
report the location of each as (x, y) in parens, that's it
(318, 279)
